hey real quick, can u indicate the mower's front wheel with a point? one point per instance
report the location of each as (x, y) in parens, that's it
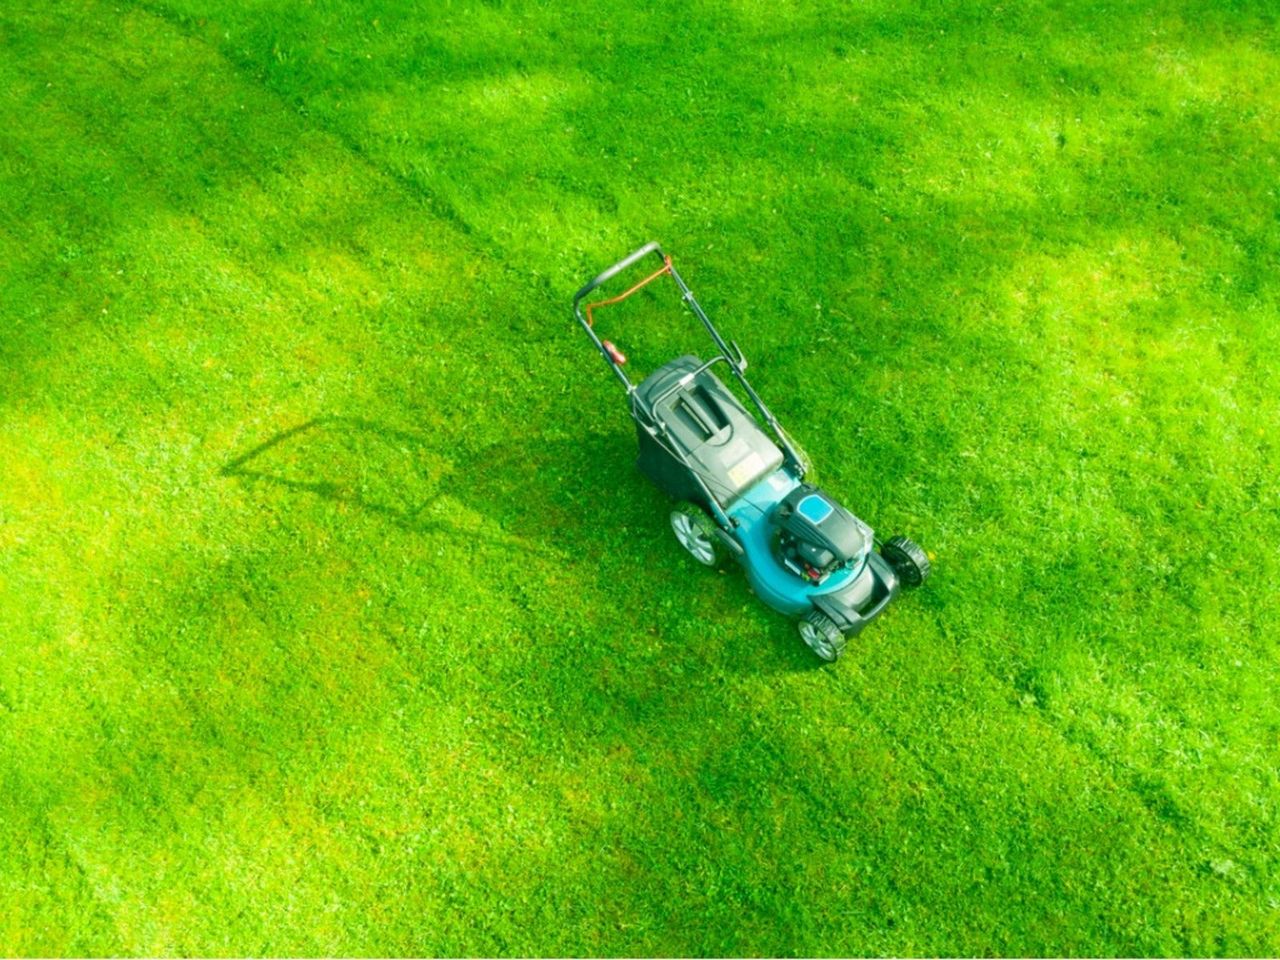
(822, 636)
(908, 559)
(697, 534)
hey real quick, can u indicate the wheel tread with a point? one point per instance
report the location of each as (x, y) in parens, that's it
(834, 637)
(703, 524)
(908, 560)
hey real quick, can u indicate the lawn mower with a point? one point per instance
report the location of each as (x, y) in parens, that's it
(739, 483)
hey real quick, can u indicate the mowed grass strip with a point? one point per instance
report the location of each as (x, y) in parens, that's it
(337, 620)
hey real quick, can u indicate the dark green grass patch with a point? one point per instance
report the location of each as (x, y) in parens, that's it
(335, 618)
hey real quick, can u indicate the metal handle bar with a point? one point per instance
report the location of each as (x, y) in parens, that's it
(617, 268)
(726, 355)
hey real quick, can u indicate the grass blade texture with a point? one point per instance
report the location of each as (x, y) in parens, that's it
(334, 617)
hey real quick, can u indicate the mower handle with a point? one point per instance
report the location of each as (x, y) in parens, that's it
(617, 268)
(732, 356)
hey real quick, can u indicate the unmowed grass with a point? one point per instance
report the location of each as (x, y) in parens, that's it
(335, 618)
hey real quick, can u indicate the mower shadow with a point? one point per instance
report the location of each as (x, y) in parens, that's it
(549, 499)
(259, 464)
(396, 475)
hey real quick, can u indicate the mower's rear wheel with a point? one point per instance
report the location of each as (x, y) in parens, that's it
(822, 636)
(908, 559)
(697, 534)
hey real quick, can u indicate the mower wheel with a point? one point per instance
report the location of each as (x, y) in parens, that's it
(908, 559)
(697, 534)
(822, 635)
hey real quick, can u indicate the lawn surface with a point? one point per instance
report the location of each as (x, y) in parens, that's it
(335, 618)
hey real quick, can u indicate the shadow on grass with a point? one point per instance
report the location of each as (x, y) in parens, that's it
(577, 504)
(403, 478)
(301, 459)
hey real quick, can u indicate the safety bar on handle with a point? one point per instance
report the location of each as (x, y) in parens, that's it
(617, 268)
(666, 268)
(611, 354)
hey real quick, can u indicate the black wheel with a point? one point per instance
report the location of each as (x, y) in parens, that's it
(822, 635)
(908, 559)
(697, 533)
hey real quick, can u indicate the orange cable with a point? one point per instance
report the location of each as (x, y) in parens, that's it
(666, 268)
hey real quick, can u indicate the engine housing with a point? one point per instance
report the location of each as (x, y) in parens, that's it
(815, 536)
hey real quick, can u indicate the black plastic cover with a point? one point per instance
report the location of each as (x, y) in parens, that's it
(855, 605)
(823, 528)
(704, 421)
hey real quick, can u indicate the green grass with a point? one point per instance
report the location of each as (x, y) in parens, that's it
(335, 619)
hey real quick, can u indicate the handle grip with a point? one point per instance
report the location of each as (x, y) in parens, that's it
(617, 268)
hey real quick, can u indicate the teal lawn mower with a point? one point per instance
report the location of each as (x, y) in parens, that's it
(739, 483)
